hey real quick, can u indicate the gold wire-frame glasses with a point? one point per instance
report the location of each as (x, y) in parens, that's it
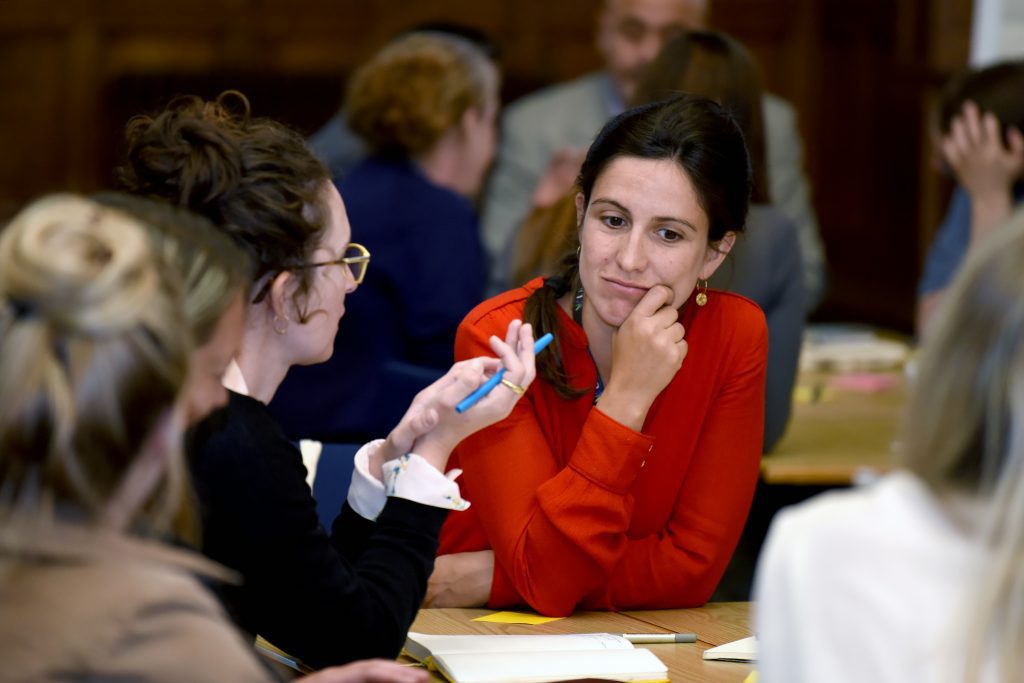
(356, 261)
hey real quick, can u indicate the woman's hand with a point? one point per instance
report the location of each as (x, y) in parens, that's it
(369, 671)
(647, 351)
(419, 419)
(432, 419)
(559, 177)
(461, 580)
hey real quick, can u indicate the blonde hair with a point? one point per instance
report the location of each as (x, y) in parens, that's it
(964, 434)
(414, 90)
(93, 353)
(213, 270)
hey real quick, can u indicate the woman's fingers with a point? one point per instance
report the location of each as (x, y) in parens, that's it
(416, 422)
(526, 354)
(517, 355)
(1015, 147)
(512, 333)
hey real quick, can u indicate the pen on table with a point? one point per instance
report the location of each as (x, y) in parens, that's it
(494, 381)
(653, 638)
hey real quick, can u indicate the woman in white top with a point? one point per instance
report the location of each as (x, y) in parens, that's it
(919, 576)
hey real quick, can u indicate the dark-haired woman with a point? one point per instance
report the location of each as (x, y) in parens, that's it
(326, 598)
(624, 478)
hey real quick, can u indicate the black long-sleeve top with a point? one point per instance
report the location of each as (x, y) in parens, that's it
(325, 599)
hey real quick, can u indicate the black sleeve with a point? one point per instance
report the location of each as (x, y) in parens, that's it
(351, 533)
(300, 593)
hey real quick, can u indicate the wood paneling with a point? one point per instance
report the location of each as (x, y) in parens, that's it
(859, 72)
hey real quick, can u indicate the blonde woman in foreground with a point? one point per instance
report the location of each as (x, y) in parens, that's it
(94, 356)
(920, 576)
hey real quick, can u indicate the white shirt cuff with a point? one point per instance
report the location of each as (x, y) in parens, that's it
(366, 493)
(409, 477)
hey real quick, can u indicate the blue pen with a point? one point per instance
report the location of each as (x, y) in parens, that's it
(494, 381)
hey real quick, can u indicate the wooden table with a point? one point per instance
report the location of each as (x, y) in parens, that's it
(714, 624)
(837, 438)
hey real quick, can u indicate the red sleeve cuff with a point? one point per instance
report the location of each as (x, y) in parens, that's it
(503, 593)
(610, 454)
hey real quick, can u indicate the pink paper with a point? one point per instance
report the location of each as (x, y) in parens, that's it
(867, 382)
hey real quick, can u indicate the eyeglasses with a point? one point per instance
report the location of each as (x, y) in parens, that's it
(356, 260)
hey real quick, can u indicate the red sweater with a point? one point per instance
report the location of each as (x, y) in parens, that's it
(582, 511)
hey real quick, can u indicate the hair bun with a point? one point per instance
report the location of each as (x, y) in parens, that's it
(77, 266)
(188, 155)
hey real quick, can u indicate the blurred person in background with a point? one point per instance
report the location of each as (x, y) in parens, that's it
(339, 148)
(765, 262)
(979, 135)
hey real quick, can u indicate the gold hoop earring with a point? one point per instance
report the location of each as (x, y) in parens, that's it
(702, 293)
(279, 330)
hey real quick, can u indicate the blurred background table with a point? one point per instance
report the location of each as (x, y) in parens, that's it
(837, 433)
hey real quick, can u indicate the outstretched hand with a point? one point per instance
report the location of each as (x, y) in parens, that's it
(432, 428)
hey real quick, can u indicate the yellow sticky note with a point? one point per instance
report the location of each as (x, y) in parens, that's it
(752, 678)
(812, 394)
(516, 618)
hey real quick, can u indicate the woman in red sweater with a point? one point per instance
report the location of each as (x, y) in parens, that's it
(624, 479)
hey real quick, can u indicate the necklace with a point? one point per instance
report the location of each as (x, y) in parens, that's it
(577, 315)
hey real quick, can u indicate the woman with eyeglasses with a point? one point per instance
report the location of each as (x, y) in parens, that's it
(352, 593)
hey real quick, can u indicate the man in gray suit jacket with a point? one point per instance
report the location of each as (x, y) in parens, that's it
(558, 124)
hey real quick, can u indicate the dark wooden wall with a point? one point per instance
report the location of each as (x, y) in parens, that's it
(860, 72)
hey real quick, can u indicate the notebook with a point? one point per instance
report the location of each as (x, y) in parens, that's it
(535, 659)
(743, 650)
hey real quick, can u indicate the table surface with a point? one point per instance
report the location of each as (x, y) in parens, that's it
(839, 436)
(714, 624)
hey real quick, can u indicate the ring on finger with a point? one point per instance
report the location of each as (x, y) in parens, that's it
(519, 391)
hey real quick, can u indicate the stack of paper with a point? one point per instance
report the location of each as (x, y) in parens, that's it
(849, 347)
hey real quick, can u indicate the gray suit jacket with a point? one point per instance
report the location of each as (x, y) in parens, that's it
(570, 114)
(764, 265)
